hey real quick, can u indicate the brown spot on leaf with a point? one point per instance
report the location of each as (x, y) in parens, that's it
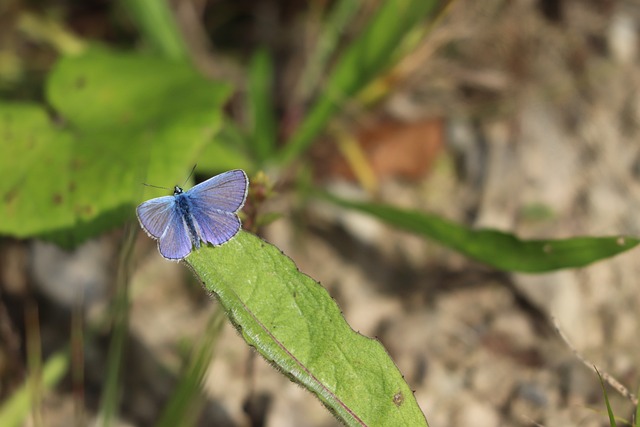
(398, 399)
(57, 199)
(76, 164)
(84, 210)
(80, 82)
(10, 195)
(31, 142)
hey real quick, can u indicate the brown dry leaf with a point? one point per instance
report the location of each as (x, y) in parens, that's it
(390, 149)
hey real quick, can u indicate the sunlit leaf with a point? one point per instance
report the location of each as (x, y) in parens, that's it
(295, 324)
(120, 120)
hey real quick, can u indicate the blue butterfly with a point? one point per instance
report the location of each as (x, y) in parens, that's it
(207, 212)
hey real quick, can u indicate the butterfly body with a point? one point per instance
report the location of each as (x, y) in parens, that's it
(183, 206)
(206, 212)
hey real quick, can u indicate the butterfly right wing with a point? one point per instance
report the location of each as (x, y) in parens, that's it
(215, 226)
(214, 205)
(226, 192)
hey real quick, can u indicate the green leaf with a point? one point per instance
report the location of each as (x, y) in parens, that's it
(293, 323)
(612, 418)
(183, 408)
(370, 54)
(501, 250)
(15, 410)
(228, 150)
(636, 419)
(261, 105)
(121, 120)
(333, 27)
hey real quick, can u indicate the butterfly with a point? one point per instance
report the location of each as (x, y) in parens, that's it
(207, 212)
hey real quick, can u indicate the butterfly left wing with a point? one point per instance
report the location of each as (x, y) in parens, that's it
(175, 243)
(154, 215)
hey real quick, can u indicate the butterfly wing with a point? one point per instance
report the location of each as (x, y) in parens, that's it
(225, 192)
(154, 215)
(214, 204)
(215, 226)
(175, 242)
(161, 220)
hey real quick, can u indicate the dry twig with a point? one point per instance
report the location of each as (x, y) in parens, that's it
(605, 376)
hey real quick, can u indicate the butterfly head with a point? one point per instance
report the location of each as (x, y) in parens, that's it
(177, 190)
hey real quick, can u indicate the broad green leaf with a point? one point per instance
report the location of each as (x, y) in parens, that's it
(502, 250)
(370, 54)
(295, 324)
(120, 120)
(228, 150)
(261, 105)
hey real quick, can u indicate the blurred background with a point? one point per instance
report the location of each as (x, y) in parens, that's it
(518, 115)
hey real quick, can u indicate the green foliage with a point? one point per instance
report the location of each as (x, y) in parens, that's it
(333, 26)
(293, 323)
(612, 418)
(182, 408)
(501, 250)
(121, 119)
(366, 57)
(636, 418)
(260, 105)
(229, 150)
(155, 21)
(16, 408)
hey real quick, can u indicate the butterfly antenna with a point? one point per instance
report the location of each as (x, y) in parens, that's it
(190, 173)
(155, 186)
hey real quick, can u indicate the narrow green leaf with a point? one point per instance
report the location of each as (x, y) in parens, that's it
(121, 120)
(369, 55)
(636, 419)
(156, 22)
(612, 418)
(112, 391)
(333, 27)
(183, 407)
(17, 407)
(293, 323)
(261, 106)
(501, 250)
